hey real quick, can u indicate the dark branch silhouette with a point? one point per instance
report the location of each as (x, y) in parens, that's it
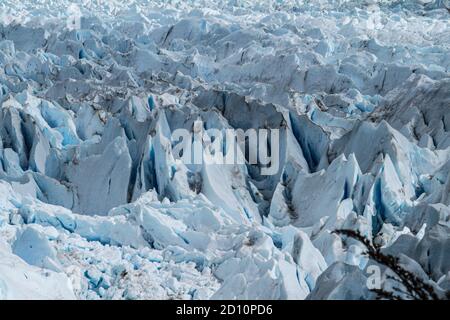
(416, 288)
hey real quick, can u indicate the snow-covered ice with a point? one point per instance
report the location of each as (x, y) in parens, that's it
(95, 204)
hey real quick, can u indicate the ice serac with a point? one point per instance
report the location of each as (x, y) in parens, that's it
(420, 110)
(101, 180)
(257, 265)
(35, 249)
(171, 176)
(305, 255)
(19, 280)
(338, 180)
(97, 201)
(341, 282)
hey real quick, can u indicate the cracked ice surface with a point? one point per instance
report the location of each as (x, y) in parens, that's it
(93, 204)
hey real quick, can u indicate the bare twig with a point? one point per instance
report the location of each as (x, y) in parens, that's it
(416, 287)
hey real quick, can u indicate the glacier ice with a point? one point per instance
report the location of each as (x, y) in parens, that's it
(96, 204)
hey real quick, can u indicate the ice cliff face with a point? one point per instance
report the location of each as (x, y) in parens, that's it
(95, 205)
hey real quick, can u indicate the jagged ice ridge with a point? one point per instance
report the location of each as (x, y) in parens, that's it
(94, 205)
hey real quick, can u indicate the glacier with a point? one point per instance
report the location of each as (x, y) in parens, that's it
(95, 203)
